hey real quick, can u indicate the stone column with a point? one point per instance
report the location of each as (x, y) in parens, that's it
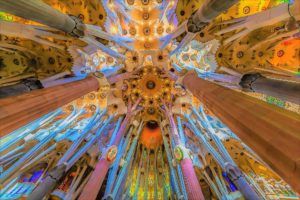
(239, 179)
(191, 182)
(95, 182)
(26, 85)
(242, 184)
(200, 19)
(267, 129)
(91, 189)
(207, 12)
(281, 89)
(38, 11)
(18, 111)
(121, 131)
(49, 183)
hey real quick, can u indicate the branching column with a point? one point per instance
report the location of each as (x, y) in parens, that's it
(94, 184)
(207, 12)
(225, 160)
(37, 10)
(267, 129)
(192, 185)
(18, 111)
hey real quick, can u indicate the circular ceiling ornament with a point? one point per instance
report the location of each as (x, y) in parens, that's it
(130, 2)
(146, 15)
(150, 85)
(132, 31)
(147, 45)
(160, 30)
(151, 111)
(146, 30)
(145, 2)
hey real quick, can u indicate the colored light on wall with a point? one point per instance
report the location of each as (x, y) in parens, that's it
(275, 101)
(6, 17)
(286, 56)
(151, 138)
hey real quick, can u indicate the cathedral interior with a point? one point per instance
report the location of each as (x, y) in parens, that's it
(149, 99)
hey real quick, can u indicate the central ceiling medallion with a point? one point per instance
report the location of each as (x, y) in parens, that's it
(150, 85)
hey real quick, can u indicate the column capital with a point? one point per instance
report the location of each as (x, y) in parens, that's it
(195, 27)
(233, 171)
(104, 85)
(181, 152)
(248, 79)
(79, 28)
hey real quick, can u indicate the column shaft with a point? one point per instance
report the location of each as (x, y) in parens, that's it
(18, 111)
(20, 88)
(237, 176)
(121, 131)
(284, 90)
(94, 184)
(38, 11)
(267, 129)
(102, 167)
(191, 182)
(247, 191)
(281, 89)
(192, 185)
(211, 9)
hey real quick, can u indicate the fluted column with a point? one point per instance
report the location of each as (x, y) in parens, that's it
(38, 11)
(18, 111)
(267, 129)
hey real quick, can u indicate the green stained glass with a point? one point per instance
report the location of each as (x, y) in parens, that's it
(5, 17)
(275, 101)
(283, 1)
